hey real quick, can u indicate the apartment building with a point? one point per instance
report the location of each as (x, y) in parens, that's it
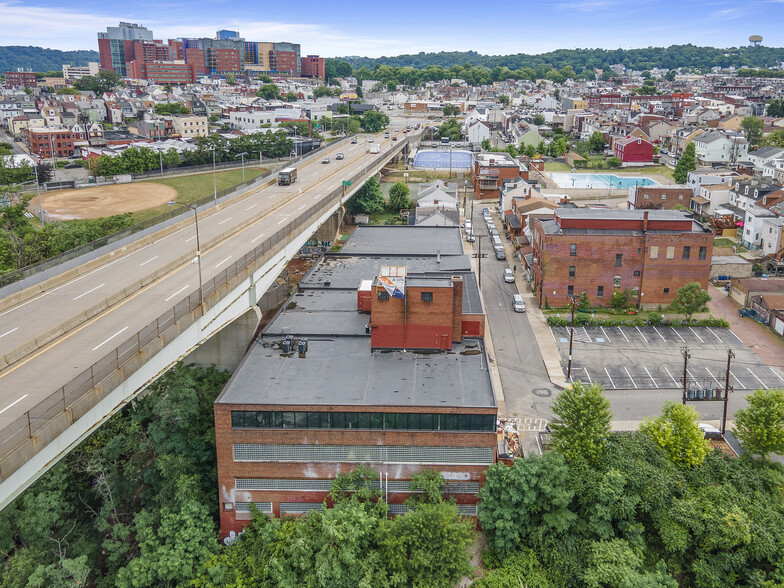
(189, 126)
(489, 170)
(659, 197)
(45, 142)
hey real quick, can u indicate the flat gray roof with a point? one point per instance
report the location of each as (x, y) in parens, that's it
(617, 214)
(404, 240)
(551, 227)
(343, 371)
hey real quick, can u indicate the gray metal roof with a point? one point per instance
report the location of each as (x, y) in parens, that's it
(404, 240)
(617, 214)
(343, 371)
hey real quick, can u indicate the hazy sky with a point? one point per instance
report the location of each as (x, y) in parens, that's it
(372, 28)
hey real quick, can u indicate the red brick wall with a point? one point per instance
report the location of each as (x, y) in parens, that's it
(661, 197)
(414, 324)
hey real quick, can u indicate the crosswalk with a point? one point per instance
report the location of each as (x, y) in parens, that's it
(528, 424)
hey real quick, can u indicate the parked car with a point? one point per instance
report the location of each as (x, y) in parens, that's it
(518, 304)
(339, 156)
(508, 276)
(73, 165)
(499, 253)
(325, 160)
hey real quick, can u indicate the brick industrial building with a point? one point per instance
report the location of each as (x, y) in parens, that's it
(660, 197)
(489, 170)
(599, 251)
(20, 79)
(292, 418)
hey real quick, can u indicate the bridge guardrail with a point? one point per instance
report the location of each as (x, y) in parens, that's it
(50, 417)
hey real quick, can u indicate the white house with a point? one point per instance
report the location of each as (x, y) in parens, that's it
(772, 235)
(716, 147)
(710, 197)
(763, 160)
(477, 131)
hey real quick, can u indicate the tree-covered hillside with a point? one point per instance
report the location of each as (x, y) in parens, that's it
(40, 59)
(642, 59)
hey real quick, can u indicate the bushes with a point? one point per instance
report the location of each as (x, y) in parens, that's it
(654, 319)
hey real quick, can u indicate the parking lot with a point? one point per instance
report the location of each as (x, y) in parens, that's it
(636, 358)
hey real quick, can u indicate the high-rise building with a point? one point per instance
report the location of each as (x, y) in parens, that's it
(287, 59)
(116, 41)
(226, 35)
(312, 66)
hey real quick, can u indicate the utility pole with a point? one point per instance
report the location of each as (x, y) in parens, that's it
(479, 257)
(730, 355)
(571, 341)
(686, 357)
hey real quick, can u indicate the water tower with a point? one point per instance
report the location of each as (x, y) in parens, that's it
(755, 40)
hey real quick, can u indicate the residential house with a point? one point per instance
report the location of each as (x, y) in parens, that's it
(717, 147)
(633, 151)
(188, 126)
(659, 197)
(710, 198)
(764, 160)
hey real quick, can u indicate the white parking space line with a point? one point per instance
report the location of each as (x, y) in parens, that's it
(755, 375)
(659, 334)
(712, 376)
(88, 291)
(9, 332)
(553, 334)
(223, 261)
(688, 372)
(641, 335)
(14, 402)
(587, 335)
(175, 294)
(696, 335)
(775, 373)
(110, 338)
(651, 377)
(148, 261)
(669, 374)
(737, 380)
(624, 334)
(611, 380)
(224, 221)
(587, 375)
(257, 238)
(714, 334)
(606, 335)
(679, 335)
(630, 377)
(251, 206)
(734, 335)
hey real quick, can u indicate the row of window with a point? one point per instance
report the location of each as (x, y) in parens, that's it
(670, 253)
(383, 296)
(616, 284)
(265, 419)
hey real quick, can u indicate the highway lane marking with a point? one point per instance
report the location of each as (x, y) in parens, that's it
(755, 375)
(587, 374)
(771, 369)
(650, 376)
(190, 238)
(251, 206)
(679, 335)
(659, 334)
(624, 334)
(669, 374)
(712, 376)
(641, 335)
(148, 261)
(630, 377)
(257, 238)
(303, 206)
(224, 261)
(224, 221)
(611, 380)
(14, 402)
(281, 221)
(110, 338)
(9, 332)
(714, 334)
(175, 294)
(696, 335)
(88, 291)
(606, 335)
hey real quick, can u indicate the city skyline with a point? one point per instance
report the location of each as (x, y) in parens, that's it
(406, 27)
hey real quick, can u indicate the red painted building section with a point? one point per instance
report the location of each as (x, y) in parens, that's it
(634, 150)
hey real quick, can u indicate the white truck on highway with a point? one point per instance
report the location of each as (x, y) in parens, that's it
(375, 148)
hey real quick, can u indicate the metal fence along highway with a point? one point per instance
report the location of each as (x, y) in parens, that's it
(24, 437)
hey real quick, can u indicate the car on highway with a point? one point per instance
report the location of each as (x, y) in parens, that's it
(370, 140)
(394, 138)
(325, 160)
(518, 304)
(508, 276)
(354, 141)
(339, 156)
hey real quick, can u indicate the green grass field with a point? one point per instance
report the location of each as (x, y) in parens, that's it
(192, 188)
(661, 170)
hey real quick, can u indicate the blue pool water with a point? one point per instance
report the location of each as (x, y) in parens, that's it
(461, 160)
(599, 181)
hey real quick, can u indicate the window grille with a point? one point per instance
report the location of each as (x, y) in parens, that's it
(363, 454)
(265, 507)
(299, 507)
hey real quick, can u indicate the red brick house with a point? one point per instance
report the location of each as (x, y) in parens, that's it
(489, 170)
(600, 251)
(660, 197)
(43, 142)
(633, 151)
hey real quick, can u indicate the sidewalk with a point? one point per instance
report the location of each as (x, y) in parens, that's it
(766, 345)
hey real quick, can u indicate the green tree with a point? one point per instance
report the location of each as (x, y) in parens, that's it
(291, 97)
(230, 80)
(105, 80)
(583, 303)
(760, 427)
(450, 128)
(359, 91)
(752, 127)
(367, 200)
(621, 299)
(486, 145)
(373, 121)
(689, 299)
(172, 108)
(539, 120)
(581, 424)
(773, 139)
(322, 91)
(66, 91)
(504, 99)
(391, 85)
(775, 108)
(343, 69)
(526, 503)
(451, 110)
(677, 432)
(613, 162)
(398, 197)
(686, 163)
(268, 92)
(596, 142)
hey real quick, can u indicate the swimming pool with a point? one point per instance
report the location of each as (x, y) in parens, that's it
(461, 160)
(599, 181)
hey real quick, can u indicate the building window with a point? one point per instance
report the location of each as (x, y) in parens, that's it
(703, 252)
(427, 297)
(573, 249)
(647, 196)
(571, 271)
(383, 295)
(570, 291)
(664, 196)
(636, 272)
(618, 259)
(617, 281)
(686, 252)
(600, 292)
(670, 252)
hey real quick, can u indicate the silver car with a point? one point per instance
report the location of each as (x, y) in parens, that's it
(508, 276)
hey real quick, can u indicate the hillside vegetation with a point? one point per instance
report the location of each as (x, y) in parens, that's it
(40, 59)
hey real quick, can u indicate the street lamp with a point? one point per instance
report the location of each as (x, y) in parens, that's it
(38, 190)
(242, 158)
(194, 208)
(160, 157)
(214, 177)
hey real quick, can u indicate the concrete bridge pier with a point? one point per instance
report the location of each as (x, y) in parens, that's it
(226, 348)
(329, 230)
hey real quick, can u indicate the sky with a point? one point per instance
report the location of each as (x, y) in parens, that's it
(374, 29)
